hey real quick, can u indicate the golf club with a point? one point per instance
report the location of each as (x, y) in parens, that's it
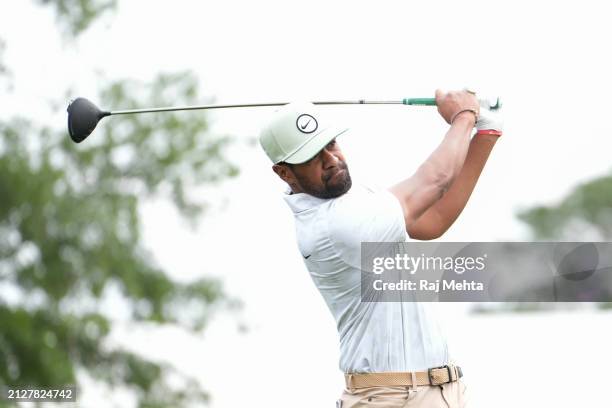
(83, 115)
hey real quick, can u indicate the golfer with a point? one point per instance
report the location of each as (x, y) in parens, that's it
(393, 354)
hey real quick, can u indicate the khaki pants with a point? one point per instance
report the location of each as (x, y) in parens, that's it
(449, 395)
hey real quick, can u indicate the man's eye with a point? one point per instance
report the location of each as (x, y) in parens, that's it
(332, 143)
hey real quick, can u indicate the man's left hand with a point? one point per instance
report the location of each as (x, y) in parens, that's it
(490, 122)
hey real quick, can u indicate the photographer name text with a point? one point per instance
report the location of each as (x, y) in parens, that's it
(429, 286)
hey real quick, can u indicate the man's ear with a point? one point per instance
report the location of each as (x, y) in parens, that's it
(284, 172)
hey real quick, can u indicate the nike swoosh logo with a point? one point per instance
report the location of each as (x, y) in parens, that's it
(306, 257)
(304, 127)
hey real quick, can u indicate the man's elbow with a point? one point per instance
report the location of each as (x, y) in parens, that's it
(428, 227)
(427, 235)
(422, 237)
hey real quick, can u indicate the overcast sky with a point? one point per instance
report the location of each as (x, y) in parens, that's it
(549, 62)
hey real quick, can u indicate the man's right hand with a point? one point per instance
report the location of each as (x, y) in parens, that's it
(490, 122)
(451, 103)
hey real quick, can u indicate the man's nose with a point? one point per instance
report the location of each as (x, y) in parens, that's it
(329, 159)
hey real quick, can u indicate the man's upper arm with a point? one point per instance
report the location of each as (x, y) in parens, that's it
(417, 194)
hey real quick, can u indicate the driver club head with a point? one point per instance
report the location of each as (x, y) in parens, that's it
(83, 116)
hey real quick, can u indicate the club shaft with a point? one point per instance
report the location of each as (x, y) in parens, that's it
(251, 105)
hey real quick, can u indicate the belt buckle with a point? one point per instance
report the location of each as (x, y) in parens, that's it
(429, 370)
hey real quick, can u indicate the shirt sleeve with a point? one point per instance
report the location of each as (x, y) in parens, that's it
(365, 215)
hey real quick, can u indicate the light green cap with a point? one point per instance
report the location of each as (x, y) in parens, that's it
(297, 132)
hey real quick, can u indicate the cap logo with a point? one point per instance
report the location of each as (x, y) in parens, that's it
(306, 123)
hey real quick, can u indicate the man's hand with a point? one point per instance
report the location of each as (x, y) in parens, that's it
(489, 122)
(450, 104)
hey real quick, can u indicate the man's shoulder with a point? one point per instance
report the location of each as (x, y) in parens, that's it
(368, 213)
(361, 199)
(357, 192)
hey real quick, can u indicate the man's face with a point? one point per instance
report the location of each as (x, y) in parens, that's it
(325, 176)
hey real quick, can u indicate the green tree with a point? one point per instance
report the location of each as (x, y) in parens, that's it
(76, 15)
(585, 213)
(70, 235)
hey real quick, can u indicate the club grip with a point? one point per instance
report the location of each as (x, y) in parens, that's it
(432, 102)
(419, 101)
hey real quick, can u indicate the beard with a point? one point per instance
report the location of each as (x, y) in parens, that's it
(333, 184)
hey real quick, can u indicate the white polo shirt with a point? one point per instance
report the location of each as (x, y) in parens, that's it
(374, 336)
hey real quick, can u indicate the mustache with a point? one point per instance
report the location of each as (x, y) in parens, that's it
(341, 166)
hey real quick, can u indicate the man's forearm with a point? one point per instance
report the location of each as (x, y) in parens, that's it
(444, 212)
(446, 162)
(434, 177)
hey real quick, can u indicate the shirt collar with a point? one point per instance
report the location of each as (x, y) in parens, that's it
(301, 201)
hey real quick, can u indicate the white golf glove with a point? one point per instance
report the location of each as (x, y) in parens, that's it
(490, 122)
